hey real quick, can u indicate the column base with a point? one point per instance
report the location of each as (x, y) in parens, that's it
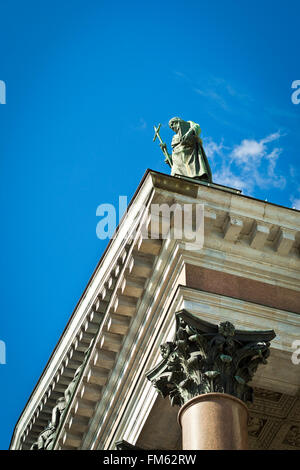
(214, 421)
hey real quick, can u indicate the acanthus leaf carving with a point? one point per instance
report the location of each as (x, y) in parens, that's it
(206, 358)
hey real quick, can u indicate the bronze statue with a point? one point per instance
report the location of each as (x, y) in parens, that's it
(188, 157)
(47, 437)
(58, 411)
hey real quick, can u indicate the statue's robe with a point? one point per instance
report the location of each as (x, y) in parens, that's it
(46, 438)
(188, 157)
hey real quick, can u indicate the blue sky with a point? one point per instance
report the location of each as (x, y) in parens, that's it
(85, 83)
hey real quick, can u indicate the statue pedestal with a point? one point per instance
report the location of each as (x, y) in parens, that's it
(209, 184)
(214, 421)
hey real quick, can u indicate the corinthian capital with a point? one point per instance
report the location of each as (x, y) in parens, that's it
(206, 358)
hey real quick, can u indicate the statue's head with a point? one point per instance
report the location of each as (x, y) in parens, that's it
(61, 402)
(166, 349)
(226, 328)
(174, 124)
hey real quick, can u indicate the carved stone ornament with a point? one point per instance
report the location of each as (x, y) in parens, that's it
(206, 358)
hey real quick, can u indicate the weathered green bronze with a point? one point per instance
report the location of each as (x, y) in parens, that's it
(206, 358)
(188, 157)
(124, 445)
(163, 146)
(47, 437)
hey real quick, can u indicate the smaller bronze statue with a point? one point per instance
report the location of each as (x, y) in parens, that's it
(57, 411)
(188, 157)
(47, 437)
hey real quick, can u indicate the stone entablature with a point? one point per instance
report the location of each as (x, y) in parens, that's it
(243, 237)
(252, 290)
